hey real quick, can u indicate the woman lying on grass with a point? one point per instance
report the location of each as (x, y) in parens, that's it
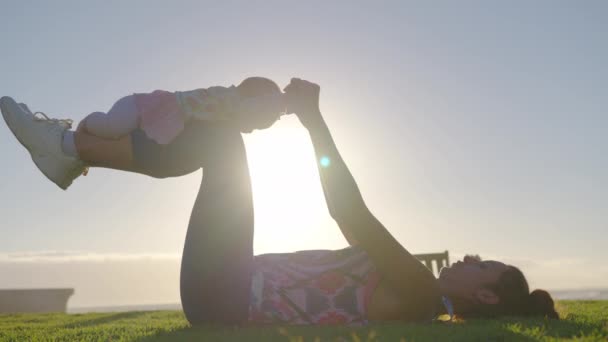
(375, 279)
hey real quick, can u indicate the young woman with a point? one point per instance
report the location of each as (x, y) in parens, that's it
(374, 279)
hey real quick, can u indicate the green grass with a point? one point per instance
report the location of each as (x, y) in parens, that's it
(583, 321)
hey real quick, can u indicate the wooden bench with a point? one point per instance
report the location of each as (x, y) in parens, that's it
(441, 260)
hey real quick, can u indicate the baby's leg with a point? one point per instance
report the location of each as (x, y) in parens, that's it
(121, 120)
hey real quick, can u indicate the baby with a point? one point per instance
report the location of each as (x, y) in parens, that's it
(255, 103)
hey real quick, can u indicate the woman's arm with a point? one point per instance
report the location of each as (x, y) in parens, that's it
(342, 195)
(403, 273)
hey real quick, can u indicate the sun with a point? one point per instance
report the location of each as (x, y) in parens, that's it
(290, 209)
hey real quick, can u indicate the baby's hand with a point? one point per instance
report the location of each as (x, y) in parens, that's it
(303, 100)
(302, 96)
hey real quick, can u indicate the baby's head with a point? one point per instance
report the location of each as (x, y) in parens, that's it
(257, 86)
(261, 103)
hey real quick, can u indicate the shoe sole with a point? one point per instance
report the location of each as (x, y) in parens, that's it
(63, 184)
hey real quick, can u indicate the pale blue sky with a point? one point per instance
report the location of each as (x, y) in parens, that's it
(472, 126)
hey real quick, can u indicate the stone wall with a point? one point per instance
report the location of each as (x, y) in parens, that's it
(34, 300)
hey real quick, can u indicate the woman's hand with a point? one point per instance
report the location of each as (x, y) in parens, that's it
(303, 100)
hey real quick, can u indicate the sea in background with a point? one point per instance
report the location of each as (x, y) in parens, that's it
(576, 294)
(580, 294)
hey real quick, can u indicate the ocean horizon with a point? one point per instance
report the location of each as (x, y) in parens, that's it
(564, 294)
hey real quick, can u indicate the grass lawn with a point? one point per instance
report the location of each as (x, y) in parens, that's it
(583, 321)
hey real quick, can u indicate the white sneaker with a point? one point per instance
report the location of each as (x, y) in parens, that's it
(43, 138)
(26, 108)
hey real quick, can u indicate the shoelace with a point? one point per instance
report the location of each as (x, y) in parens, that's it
(68, 122)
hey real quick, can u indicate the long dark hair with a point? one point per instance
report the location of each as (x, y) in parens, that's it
(515, 298)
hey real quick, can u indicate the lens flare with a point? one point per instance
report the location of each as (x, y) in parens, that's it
(325, 161)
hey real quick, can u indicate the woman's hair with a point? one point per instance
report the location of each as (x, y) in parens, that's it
(256, 86)
(515, 298)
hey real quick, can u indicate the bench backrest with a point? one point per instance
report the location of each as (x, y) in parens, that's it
(441, 260)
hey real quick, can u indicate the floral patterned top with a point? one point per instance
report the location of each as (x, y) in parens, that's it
(163, 114)
(312, 287)
(208, 104)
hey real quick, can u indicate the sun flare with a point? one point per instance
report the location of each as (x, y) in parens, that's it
(290, 209)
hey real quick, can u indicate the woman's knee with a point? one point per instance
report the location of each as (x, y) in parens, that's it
(199, 145)
(222, 144)
(159, 161)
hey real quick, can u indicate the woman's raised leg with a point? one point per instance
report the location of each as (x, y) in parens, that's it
(218, 253)
(137, 153)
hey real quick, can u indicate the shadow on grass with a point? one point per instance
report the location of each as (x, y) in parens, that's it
(530, 329)
(109, 318)
(218, 333)
(571, 326)
(507, 329)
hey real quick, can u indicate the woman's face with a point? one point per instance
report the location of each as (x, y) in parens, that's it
(464, 279)
(260, 112)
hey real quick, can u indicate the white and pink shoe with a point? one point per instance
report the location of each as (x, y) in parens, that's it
(43, 137)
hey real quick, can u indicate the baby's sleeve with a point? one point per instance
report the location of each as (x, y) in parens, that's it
(204, 104)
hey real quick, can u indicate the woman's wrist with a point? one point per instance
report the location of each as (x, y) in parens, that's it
(311, 119)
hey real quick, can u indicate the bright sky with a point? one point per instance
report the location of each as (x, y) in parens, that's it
(476, 127)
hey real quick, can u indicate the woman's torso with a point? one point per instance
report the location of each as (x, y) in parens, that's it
(312, 287)
(385, 305)
(323, 287)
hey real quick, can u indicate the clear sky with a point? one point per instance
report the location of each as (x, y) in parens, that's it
(472, 126)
